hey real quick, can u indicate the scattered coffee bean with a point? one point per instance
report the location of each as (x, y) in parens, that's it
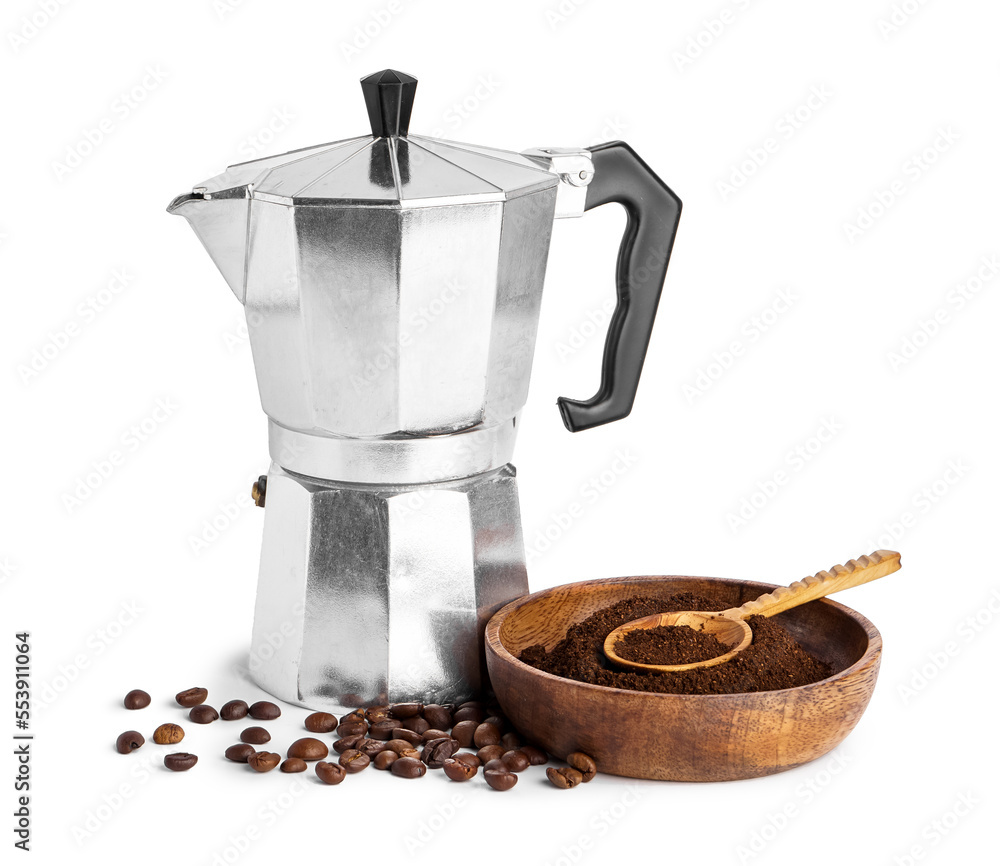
(256, 736)
(412, 737)
(489, 753)
(535, 755)
(383, 729)
(168, 734)
(433, 734)
(479, 704)
(234, 710)
(408, 768)
(354, 761)
(487, 734)
(465, 732)
(437, 716)
(308, 749)
(405, 711)
(467, 758)
(564, 777)
(352, 728)
(495, 764)
(353, 716)
(510, 741)
(500, 780)
(239, 752)
(371, 747)
(191, 697)
(459, 771)
(466, 713)
(498, 722)
(385, 759)
(583, 764)
(343, 745)
(180, 761)
(436, 752)
(332, 774)
(264, 762)
(417, 724)
(516, 761)
(376, 714)
(398, 745)
(136, 699)
(293, 765)
(410, 753)
(264, 710)
(321, 723)
(129, 742)
(202, 714)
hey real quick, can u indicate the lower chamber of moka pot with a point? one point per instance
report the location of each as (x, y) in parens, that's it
(371, 595)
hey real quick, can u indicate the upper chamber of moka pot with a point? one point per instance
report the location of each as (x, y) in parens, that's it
(391, 282)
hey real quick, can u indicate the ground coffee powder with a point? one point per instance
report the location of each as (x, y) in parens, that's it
(772, 661)
(669, 645)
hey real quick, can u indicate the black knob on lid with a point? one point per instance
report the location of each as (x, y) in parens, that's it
(389, 97)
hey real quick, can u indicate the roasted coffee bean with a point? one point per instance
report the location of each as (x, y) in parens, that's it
(500, 780)
(383, 729)
(480, 704)
(583, 764)
(376, 714)
(371, 747)
(489, 753)
(498, 722)
(467, 758)
(408, 768)
(436, 752)
(332, 774)
(180, 761)
(412, 737)
(264, 762)
(385, 759)
(321, 723)
(397, 745)
(256, 736)
(465, 733)
(240, 752)
(417, 724)
(434, 734)
(495, 764)
(510, 741)
(564, 777)
(516, 761)
(191, 697)
(354, 742)
(202, 714)
(437, 716)
(459, 771)
(308, 749)
(129, 742)
(535, 755)
(468, 713)
(233, 711)
(168, 734)
(354, 761)
(405, 711)
(486, 735)
(352, 728)
(136, 700)
(410, 753)
(353, 716)
(265, 711)
(293, 765)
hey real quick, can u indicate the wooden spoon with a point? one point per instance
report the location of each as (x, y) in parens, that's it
(728, 626)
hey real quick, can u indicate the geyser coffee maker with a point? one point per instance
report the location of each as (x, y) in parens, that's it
(392, 285)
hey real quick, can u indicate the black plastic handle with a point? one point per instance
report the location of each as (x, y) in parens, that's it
(653, 211)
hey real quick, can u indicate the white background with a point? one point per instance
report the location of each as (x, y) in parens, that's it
(190, 86)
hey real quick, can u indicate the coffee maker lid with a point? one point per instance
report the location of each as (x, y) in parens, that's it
(389, 168)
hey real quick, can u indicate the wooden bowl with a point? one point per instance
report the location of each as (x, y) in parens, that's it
(687, 738)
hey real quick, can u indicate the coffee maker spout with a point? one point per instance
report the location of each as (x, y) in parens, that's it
(220, 221)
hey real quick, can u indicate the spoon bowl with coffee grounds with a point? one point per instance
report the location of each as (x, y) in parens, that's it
(727, 630)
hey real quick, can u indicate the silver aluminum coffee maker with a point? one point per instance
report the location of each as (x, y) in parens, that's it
(392, 285)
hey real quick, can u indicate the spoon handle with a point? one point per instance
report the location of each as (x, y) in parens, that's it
(854, 573)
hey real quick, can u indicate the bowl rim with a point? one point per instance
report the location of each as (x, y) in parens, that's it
(494, 644)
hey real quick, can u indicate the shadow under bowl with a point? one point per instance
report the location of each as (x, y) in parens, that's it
(689, 738)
